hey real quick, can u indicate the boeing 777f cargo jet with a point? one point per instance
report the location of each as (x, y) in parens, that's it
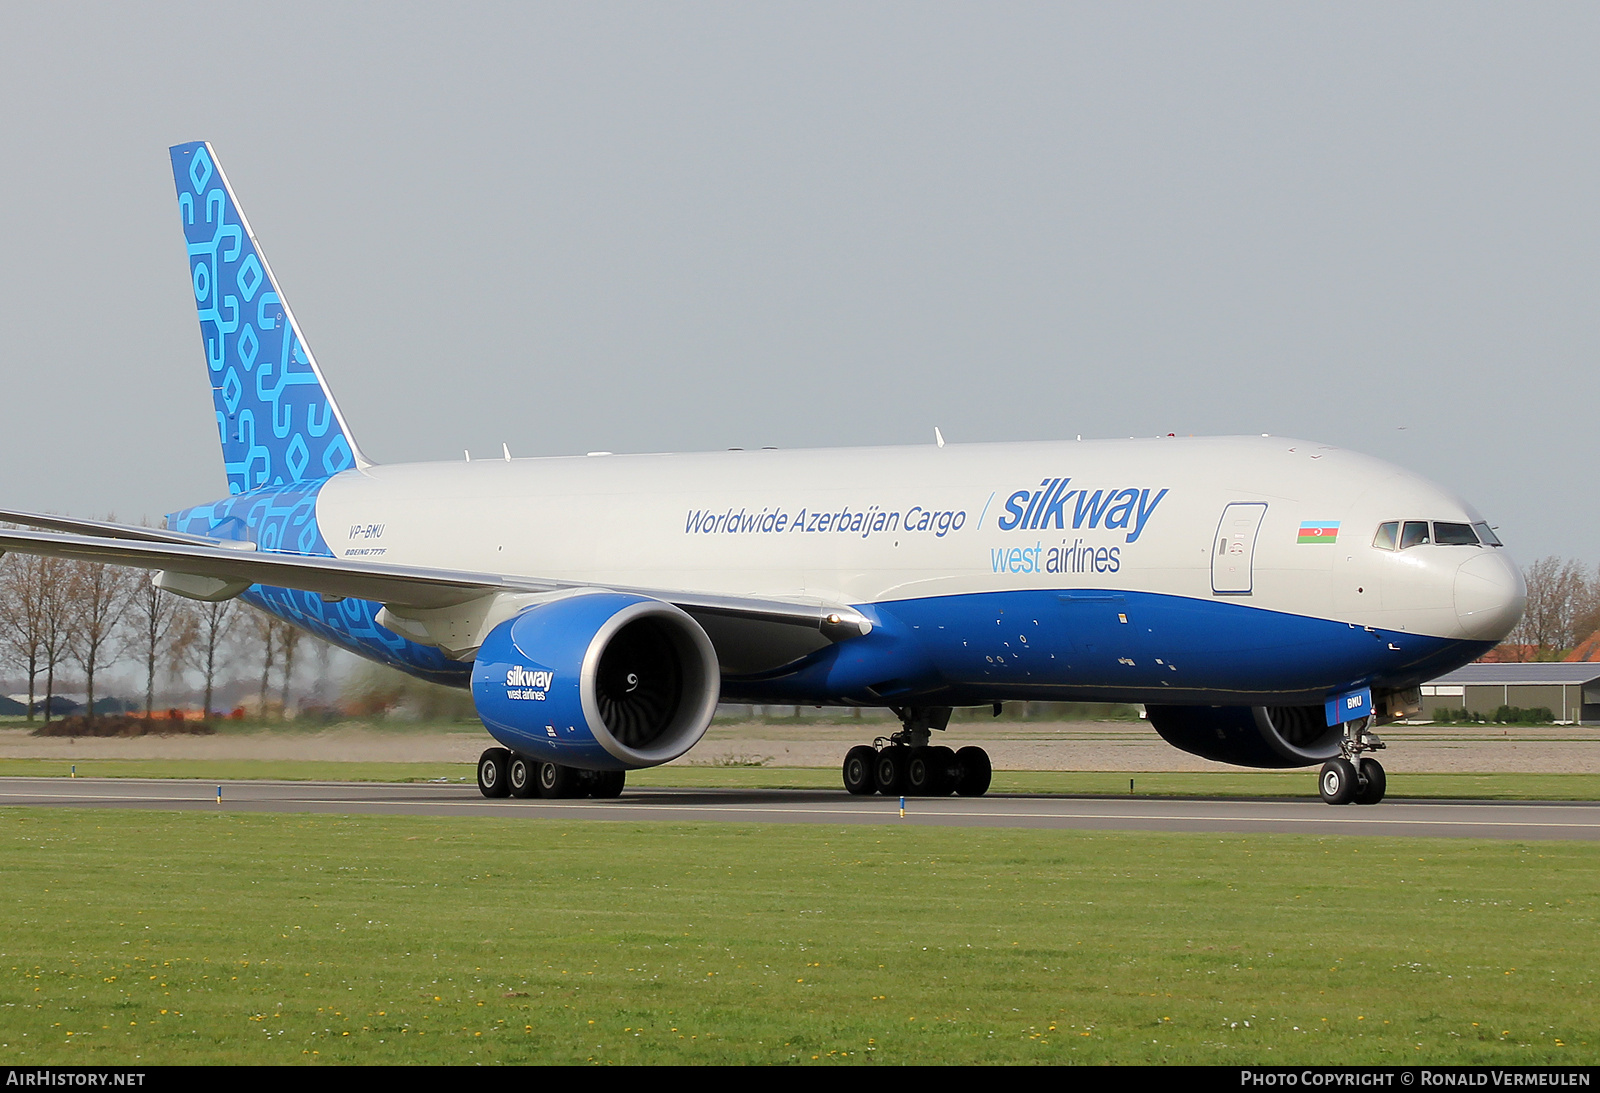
(1269, 601)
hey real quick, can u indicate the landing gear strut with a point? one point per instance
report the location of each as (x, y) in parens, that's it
(904, 764)
(1354, 776)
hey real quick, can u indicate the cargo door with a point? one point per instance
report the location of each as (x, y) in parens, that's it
(1234, 551)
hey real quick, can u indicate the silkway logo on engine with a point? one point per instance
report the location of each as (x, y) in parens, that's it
(528, 684)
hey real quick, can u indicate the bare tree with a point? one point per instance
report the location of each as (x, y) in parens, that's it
(1559, 597)
(56, 620)
(203, 640)
(22, 616)
(1586, 613)
(324, 663)
(289, 637)
(263, 629)
(153, 624)
(100, 596)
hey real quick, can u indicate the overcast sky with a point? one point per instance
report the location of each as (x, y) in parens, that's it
(667, 227)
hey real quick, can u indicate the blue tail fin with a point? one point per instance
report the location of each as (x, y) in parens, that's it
(275, 415)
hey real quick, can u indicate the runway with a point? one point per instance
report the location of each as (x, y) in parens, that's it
(1452, 819)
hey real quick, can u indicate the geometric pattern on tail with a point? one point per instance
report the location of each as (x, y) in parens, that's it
(275, 418)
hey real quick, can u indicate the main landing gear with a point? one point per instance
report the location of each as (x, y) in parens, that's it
(1353, 776)
(904, 764)
(503, 773)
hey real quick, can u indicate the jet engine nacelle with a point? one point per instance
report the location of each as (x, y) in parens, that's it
(599, 681)
(1249, 736)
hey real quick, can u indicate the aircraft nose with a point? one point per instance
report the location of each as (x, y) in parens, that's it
(1489, 595)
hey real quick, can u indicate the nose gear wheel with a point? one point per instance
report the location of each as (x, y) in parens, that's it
(1354, 776)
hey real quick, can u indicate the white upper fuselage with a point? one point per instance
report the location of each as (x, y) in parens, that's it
(931, 521)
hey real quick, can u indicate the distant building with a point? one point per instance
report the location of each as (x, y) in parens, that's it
(1508, 653)
(65, 705)
(1588, 649)
(1569, 689)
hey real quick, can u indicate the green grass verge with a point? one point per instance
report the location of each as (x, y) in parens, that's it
(154, 937)
(1508, 786)
(238, 770)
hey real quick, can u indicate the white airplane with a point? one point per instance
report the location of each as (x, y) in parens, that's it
(1268, 601)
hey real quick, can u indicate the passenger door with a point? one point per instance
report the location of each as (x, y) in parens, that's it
(1234, 550)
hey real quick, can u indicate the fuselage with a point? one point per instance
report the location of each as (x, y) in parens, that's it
(1229, 569)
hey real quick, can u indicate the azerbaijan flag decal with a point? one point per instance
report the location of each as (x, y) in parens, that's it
(1325, 532)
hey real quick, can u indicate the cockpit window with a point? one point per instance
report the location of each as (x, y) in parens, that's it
(1415, 533)
(1395, 535)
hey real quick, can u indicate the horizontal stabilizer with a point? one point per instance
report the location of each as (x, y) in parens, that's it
(108, 530)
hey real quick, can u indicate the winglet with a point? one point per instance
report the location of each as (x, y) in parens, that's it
(276, 417)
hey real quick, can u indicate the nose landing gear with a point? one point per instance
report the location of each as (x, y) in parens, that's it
(1354, 776)
(905, 764)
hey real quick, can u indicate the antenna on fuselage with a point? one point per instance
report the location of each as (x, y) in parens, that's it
(938, 437)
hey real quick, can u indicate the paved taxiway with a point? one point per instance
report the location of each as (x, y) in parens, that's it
(1462, 819)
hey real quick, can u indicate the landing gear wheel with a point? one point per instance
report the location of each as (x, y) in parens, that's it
(858, 763)
(1373, 783)
(1338, 782)
(522, 777)
(492, 778)
(976, 772)
(607, 783)
(922, 773)
(557, 781)
(947, 770)
(889, 770)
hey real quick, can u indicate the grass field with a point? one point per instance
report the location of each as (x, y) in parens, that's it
(224, 937)
(1267, 783)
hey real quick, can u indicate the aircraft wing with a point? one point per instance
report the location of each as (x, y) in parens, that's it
(107, 529)
(405, 587)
